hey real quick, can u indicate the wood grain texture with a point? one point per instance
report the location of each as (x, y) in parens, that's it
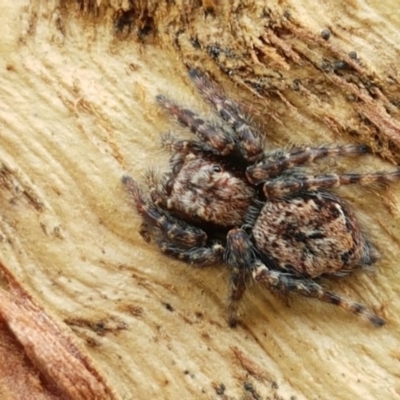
(78, 110)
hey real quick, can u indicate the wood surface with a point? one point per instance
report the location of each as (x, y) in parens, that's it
(88, 309)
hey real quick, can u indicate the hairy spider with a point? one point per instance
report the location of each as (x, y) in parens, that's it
(226, 199)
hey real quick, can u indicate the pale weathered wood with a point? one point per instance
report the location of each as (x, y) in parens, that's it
(77, 110)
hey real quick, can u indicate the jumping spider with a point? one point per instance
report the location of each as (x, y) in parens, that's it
(228, 200)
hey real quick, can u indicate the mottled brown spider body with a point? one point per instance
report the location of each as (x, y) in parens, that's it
(226, 199)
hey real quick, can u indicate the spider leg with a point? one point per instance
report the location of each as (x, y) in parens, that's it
(215, 137)
(174, 229)
(277, 162)
(157, 187)
(183, 147)
(240, 256)
(300, 183)
(238, 283)
(181, 151)
(248, 139)
(196, 256)
(280, 281)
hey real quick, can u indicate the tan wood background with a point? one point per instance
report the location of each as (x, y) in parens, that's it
(89, 310)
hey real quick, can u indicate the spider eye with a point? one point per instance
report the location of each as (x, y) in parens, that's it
(216, 168)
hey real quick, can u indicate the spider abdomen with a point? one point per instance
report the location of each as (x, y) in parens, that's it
(311, 234)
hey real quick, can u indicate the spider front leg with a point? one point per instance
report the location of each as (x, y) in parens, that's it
(300, 183)
(174, 229)
(216, 138)
(248, 139)
(283, 282)
(180, 148)
(157, 186)
(182, 151)
(278, 161)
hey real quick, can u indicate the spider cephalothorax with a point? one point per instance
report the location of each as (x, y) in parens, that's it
(228, 200)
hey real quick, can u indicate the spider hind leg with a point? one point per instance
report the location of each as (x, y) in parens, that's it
(280, 281)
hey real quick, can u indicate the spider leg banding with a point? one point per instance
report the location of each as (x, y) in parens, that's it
(215, 137)
(282, 282)
(248, 141)
(278, 161)
(290, 185)
(196, 256)
(172, 228)
(227, 199)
